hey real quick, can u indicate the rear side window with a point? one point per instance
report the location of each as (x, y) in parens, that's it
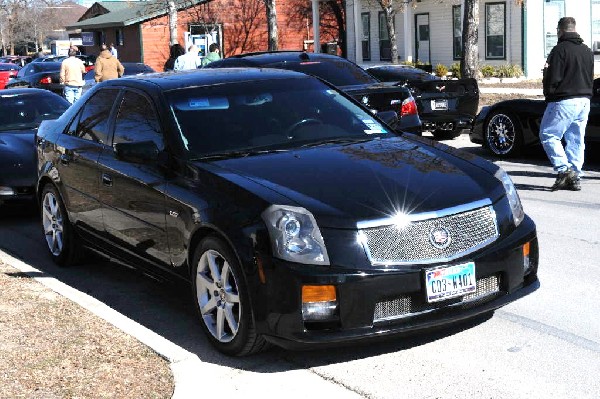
(137, 121)
(93, 120)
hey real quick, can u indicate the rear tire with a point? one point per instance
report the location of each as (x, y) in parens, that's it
(503, 135)
(61, 240)
(221, 300)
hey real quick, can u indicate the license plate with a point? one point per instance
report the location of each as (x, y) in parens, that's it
(450, 281)
(439, 105)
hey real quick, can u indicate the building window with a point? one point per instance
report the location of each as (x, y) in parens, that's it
(553, 11)
(456, 32)
(366, 36)
(101, 38)
(596, 26)
(385, 47)
(119, 37)
(495, 31)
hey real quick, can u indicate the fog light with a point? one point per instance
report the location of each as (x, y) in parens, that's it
(319, 302)
(6, 191)
(526, 262)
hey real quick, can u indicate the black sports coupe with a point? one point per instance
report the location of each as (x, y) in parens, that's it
(508, 127)
(21, 112)
(345, 75)
(296, 215)
(446, 107)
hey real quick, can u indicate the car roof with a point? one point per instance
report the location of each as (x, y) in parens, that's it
(272, 57)
(206, 77)
(26, 91)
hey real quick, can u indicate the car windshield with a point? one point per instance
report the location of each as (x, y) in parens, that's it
(337, 72)
(241, 119)
(27, 111)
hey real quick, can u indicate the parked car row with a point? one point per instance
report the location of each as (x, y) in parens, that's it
(294, 209)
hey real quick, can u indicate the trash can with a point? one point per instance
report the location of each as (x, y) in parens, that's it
(329, 48)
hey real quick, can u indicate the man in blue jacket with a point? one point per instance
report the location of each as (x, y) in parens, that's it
(568, 85)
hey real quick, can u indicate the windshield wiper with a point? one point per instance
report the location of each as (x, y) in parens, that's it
(346, 140)
(237, 154)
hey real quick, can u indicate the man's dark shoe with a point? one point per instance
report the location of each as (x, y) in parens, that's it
(575, 184)
(564, 181)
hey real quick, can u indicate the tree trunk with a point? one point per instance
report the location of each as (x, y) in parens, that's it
(469, 60)
(339, 10)
(389, 16)
(272, 25)
(172, 23)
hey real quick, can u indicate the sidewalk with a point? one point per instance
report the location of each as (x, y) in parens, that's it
(510, 90)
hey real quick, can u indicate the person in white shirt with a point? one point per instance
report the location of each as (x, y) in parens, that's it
(71, 76)
(113, 50)
(189, 60)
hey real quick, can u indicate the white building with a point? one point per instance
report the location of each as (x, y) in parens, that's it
(430, 31)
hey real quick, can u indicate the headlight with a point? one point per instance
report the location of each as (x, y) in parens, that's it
(512, 195)
(295, 235)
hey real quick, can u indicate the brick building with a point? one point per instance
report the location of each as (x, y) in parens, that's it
(140, 29)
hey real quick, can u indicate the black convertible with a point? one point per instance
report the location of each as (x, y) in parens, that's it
(446, 107)
(508, 127)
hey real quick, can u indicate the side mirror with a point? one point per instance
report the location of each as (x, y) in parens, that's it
(389, 117)
(137, 152)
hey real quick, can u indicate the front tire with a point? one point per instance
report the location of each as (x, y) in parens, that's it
(61, 240)
(503, 134)
(221, 300)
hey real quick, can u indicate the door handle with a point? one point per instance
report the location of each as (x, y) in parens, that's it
(107, 180)
(65, 159)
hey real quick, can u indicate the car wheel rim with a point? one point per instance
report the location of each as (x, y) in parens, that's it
(501, 134)
(52, 220)
(218, 297)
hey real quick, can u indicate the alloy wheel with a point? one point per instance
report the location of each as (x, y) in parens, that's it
(218, 297)
(52, 220)
(501, 134)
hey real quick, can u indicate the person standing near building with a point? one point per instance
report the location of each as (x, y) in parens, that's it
(174, 52)
(107, 67)
(189, 60)
(568, 87)
(213, 54)
(71, 76)
(113, 50)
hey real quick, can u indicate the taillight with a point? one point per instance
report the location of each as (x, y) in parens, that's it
(409, 107)
(47, 80)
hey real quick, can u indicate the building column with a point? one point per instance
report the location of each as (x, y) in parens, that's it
(316, 26)
(358, 33)
(408, 34)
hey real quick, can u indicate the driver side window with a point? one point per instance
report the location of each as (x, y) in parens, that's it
(137, 121)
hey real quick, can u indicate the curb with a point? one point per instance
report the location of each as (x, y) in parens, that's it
(185, 366)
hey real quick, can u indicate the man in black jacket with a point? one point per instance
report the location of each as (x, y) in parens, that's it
(568, 81)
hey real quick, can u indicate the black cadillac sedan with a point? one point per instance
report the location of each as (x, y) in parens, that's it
(38, 75)
(297, 216)
(21, 112)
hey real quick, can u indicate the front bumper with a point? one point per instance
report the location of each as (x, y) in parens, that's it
(279, 314)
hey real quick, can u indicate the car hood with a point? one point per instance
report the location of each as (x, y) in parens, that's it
(17, 156)
(344, 184)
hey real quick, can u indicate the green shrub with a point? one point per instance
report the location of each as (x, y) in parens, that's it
(487, 71)
(455, 69)
(441, 70)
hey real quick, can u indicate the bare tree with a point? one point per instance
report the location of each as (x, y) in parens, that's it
(273, 39)
(332, 23)
(469, 59)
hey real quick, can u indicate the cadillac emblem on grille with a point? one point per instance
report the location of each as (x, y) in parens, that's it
(439, 237)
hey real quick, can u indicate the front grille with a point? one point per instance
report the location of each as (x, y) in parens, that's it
(411, 305)
(468, 231)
